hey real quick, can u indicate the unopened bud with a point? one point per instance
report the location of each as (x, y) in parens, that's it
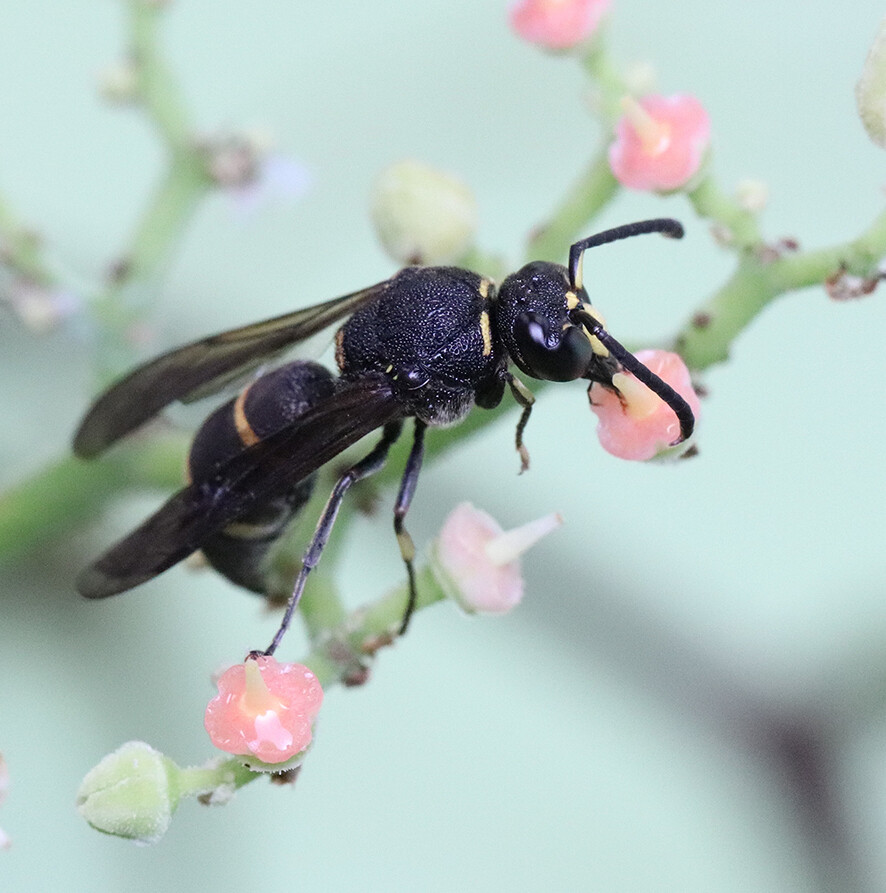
(132, 793)
(422, 215)
(870, 91)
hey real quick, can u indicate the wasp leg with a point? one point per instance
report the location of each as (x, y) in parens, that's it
(526, 399)
(401, 507)
(362, 469)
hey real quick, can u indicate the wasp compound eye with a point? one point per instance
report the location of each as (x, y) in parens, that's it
(553, 355)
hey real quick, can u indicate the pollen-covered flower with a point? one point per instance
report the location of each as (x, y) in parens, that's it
(641, 425)
(557, 24)
(660, 142)
(264, 709)
(477, 563)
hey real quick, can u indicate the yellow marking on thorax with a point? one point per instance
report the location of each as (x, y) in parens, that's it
(483, 287)
(486, 332)
(340, 349)
(247, 436)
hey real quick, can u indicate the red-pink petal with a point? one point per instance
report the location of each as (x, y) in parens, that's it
(646, 426)
(272, 723)
(660, 142)
(557, 24)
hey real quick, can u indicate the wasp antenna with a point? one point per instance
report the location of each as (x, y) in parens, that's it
(643, 373)
(667, 226)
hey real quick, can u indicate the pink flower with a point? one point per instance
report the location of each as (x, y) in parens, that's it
(641, 425)
(264, 708)
(557, 24)
(660, 142)
(477, 563)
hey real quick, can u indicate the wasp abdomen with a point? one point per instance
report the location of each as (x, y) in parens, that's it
(269, 404)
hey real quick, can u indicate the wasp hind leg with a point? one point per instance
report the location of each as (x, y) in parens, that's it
(371, 463)
(401, 507)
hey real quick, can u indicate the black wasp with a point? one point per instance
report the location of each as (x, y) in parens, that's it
(426, 344)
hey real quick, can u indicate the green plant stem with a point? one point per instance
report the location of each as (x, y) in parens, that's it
(705, 339)
(72, 492)
(367, 629)
(739, 224)
(176, 199)
(588, 196)
(608, 79)
(197, 780)
(156, 87)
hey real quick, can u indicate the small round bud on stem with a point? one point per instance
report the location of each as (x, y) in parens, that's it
(422, 215)
(870, 91)
(133, 793)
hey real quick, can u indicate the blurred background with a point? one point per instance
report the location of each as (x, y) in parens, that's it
(693, 694)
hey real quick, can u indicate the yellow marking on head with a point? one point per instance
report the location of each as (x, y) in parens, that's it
(486, 332)
(572, 300)
(247, 436)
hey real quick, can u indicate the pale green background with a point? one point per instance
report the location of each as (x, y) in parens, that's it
(603, 737)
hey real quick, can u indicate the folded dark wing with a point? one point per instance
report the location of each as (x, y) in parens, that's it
(203, 366)
(206, 506)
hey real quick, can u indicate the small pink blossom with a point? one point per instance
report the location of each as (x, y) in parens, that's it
(660, 142)
(478, 564)
(264, 708)
(557, 24)
(641, 425)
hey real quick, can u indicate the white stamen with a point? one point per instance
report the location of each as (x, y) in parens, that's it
(511, 544)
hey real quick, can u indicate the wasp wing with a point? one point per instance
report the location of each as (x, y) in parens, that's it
(203, 366)
(207, 506)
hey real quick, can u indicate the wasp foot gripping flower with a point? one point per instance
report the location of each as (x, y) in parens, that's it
(264, 709)
(478, 564)
(557, 24)
(131, 793)
(635, 423)
(422, 215)
(660, 142)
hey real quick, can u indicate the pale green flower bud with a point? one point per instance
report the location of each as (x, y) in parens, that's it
(870, 91)
(131, 793)
(422, 215)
